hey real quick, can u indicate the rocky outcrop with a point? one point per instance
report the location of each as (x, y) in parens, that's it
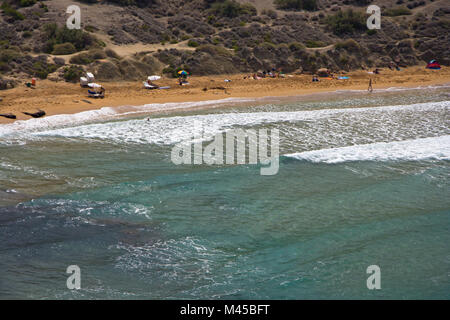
(37, 114)
(8, 115)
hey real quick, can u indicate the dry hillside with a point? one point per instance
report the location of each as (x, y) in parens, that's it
(129, 39)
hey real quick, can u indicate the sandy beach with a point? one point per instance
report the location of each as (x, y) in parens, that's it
(68, 98)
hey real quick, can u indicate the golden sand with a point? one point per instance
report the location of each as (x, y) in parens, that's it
(67, 98)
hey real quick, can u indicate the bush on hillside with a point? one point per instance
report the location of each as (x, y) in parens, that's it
(139, 3)
(346, 22)
(112, 54)
(314, 44)
(192, 43)
(10, 11)
(42, 70)
(85, 58)
(296, 5)
(21, 3)
(350, 45)
(8, 55)
(54, 35)
(73, 73)
(395, 12)
(232, 9)
(63, 48)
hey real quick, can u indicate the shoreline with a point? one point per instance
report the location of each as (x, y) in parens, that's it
(61, 98)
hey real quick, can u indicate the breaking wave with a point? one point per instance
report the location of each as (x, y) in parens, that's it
(436, 148)
(170, 130)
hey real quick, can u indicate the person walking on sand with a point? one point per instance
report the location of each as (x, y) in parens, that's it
(370, 89)
(102, 92)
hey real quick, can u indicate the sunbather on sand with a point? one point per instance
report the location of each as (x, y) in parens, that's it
(150, 83)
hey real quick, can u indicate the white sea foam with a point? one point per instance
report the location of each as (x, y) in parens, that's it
(175, 129)
(437, 148)
(395, 89)
(22, 127)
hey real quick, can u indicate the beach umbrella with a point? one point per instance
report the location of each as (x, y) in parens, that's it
(323, 72)
(433, 64)
(183, 73)
(154, 78)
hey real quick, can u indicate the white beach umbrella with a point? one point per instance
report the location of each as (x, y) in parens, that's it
(90, 77)
(154, 78)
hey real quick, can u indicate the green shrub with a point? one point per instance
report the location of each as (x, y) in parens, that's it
(174, 71)
(27, 34)
(90, 29)
(270, 13)
(344, 59)
(89, 1)
(112, 54)
(10, 11)
(63, 48)
(27, 3)
(43, 6)
(296, 5)
(344, 22)
(360, 2)
(85, 58)
(296, 46)
(82, 58)
(395, 12)
(97, 54)
(73, 73)
(139, 3)
(232, 9)
(7, 55)
(350, 45)
(4, 67)
(169, 70)
(211, 19)
(314, 44)
(54, 35)
(248, 9)
(4, 44)
(214, 50)
(193, 43)
(42, 70)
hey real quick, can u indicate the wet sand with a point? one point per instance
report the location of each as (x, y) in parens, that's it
(69, 98)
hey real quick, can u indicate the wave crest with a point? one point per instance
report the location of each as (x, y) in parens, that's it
(435, 148)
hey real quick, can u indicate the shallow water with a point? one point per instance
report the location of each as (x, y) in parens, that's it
(363, 180)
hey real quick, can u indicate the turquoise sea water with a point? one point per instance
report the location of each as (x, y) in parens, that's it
(363, 180)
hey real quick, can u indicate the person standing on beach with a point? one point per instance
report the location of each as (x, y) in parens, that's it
(370, 89)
